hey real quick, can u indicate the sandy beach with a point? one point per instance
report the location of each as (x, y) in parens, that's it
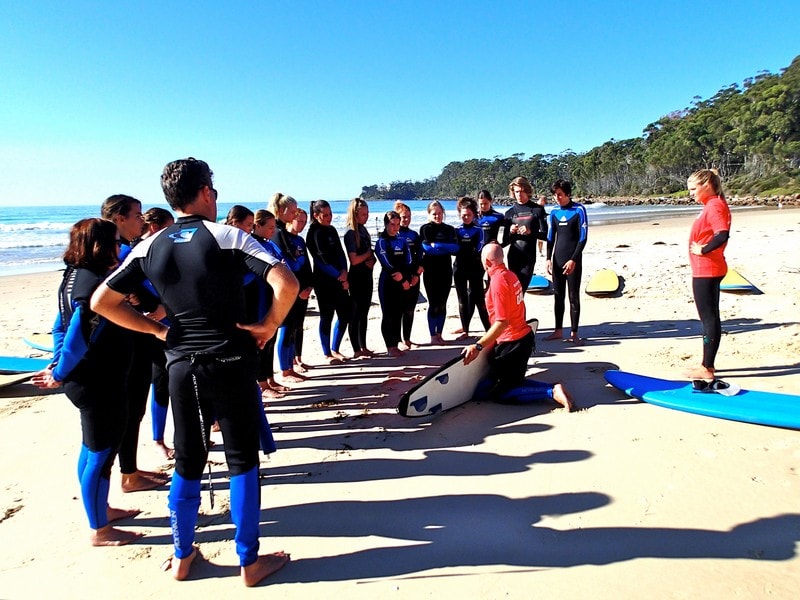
(620, 499)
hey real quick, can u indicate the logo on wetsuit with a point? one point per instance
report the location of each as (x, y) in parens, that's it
(184, 236)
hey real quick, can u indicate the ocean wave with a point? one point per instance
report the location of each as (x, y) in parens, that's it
(27, 228)
(16, 244)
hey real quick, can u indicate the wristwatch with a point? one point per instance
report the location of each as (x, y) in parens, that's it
(478, 346)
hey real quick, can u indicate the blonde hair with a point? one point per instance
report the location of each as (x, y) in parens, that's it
(400, 206)
(352, 212)
(279, 202)
(709, 176)
(523, 184)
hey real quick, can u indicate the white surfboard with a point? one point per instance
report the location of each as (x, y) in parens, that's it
(450, 385)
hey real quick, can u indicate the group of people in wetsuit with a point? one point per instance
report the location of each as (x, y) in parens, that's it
(210, 306)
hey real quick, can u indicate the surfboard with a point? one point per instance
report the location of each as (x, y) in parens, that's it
(734, 282)
(748, 406)
(7, 379)
(40, 341)
(603, 283)
(449, 386)
(539, 284)
(19, 364)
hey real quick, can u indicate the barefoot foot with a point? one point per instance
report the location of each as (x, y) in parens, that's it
(556, 335)
(700, 372)
(168, 452)
(395, 352)
(111, 536)
(118, 514)
(264, 566)
(141, 482)
(563, 397)
(180, 567)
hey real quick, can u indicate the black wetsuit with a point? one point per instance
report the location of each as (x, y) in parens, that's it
(360, 279)
(491, 221)
(197, 267)
(468, 275)
(522, 250)
(566, 241)
(439, 244)
(290, 334)
(411, 296)
(329, 260)
(395, 257)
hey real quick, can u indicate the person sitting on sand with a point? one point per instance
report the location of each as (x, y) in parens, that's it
(86, 361)
(196, 267)
(509, 341)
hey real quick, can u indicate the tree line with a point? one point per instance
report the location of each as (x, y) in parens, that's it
(750, 133)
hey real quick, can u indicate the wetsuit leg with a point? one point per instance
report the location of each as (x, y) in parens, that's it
(344, 311)
(706, 298)
(266, 361)
(559, 293)
(526, 392)
(410, 298)
(465, 305)
(302, 307)
(574, 297)
(137, 388)
(392, 305)
(159, 394)
(521, 264)
(183, 502)
(361, 294)
(326, 303)
(478, 299)
(437, 285)
(245, 509)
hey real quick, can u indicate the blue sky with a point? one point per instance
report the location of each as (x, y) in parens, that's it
(317, 99)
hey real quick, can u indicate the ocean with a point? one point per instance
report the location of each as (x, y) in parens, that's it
(33, 238)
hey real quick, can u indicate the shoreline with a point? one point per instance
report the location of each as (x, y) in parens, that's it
(483, 500)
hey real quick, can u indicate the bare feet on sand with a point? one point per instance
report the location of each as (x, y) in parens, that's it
(270, 393)
(437, 340)
(574, 339)
(462, 336)
(264, 566)
(395, 352)
(300, 366)
(563, 397)
(111, 536)
(556, 335)
(332, 360)
(142, 481)
(339, 355)
(409, 345)
(180, 567)
(168, 452)
(118, 514)
(700, 372)
(292, 376)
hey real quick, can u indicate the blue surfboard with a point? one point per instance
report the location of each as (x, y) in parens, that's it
(40, 341)
(747, 406)
(539, 284)
(20, 364)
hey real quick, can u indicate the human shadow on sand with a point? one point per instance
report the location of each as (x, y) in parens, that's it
(492, 530)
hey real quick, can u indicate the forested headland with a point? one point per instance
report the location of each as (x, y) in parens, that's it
(750, 133)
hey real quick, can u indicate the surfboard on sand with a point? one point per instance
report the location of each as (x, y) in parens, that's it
(539, 284)
(734, 282)
(40, 341)
(450, 385)
(748, 406)
(603, 283)
(19, 364)
(7, 379)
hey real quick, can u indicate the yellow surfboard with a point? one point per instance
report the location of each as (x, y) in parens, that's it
(734, 282)
(603, 283)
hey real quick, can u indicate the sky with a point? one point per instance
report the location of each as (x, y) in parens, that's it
(317, 99)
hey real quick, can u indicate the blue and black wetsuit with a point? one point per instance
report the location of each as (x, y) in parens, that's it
(411, 296)
(566, 240)
(522, 250)
(290, 335)
(491, 222)
(468, 275)
(395, 257)
(197, 268)
(258, 299)
(325, 248)
(439, 244)
(360, 279)
(91, 359)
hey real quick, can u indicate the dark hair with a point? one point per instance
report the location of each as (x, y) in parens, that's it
(317, 206)
(182, 179)
(237, 214)
(388, 216)
(467, 202)
(157, 216)
(92, 245)
(563, 185)
(118, 205)
(485, 194)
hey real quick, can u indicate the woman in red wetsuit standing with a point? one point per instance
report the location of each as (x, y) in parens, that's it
(707, 242)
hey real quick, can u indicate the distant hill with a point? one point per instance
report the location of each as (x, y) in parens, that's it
(749, 132)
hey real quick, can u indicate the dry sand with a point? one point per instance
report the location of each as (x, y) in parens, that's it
(619, 499)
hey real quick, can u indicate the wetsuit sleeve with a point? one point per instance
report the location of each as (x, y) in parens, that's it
(719, 239)
(583, 231)
(541, 218)
(551, 232)
(505, 227)
(58, 337)
(380, 251)
(74, 345)
(320, 261)
(350, 242)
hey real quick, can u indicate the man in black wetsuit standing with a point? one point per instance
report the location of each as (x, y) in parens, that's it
(197, 268)
(525, 223)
